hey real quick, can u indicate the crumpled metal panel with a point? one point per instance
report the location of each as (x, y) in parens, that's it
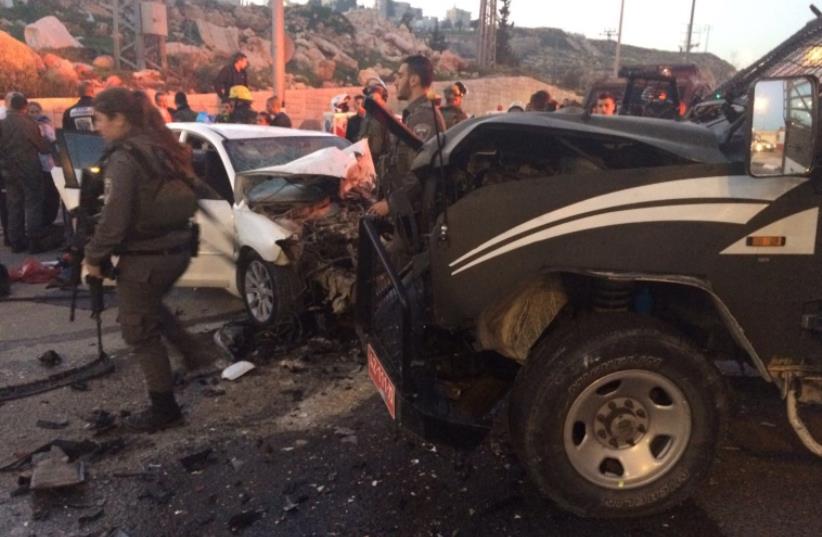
(512, 326)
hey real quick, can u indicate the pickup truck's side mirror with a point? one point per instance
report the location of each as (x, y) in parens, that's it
(783, 126)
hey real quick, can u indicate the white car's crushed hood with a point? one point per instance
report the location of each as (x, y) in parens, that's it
(353, 166)
(307, 213)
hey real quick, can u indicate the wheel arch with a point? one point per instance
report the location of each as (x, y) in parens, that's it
(519, 322)
(696, 285)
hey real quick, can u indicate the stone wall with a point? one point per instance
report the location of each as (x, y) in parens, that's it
(309, 104)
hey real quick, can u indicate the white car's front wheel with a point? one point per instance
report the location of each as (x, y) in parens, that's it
(270, 292)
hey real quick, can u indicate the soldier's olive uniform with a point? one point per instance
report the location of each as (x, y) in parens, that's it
(152, 257)
(379, 142)
(452, 114)
(424, 120)
(20, 146)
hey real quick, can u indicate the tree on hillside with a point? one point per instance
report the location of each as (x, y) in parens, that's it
(437, 40)
(406, 20)
(505, 56)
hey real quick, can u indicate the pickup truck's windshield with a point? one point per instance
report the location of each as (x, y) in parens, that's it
(253, 153)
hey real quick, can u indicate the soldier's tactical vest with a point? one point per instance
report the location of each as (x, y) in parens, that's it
(166, 200)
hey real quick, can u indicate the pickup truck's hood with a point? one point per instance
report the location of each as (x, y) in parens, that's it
(685, 140)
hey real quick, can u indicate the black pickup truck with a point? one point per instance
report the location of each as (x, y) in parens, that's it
(591, 272)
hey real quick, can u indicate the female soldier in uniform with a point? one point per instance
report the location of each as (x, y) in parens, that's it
(145, 220)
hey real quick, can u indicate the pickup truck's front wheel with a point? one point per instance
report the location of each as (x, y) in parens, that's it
(617, 417)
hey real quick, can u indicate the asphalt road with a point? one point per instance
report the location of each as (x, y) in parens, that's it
(303, 446)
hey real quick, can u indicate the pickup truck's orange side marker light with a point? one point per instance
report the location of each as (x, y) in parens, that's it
(769, 242)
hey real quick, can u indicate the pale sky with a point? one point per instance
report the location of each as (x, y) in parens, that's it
(740, 30)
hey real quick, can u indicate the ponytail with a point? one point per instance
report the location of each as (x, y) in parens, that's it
(141, 115)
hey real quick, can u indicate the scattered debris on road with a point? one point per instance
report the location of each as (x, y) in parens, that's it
(54, 425)
(237, 370)
(241, 521)
(103, 365)
(236, 338)
(100, 421)
(198, 461)
(53, 470)
(50, 358)
(91, 517)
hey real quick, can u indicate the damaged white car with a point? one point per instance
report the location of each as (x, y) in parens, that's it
(282, 220)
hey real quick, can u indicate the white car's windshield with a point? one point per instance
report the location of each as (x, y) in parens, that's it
(253, 153)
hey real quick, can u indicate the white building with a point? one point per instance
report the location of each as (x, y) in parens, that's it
(424, 24)
(459, 18)
(382, 7)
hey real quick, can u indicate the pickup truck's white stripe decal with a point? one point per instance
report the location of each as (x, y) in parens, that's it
(728, 213)
(722, 187)
(798, 229)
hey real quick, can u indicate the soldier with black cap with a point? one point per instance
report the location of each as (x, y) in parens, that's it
(452, 112)
(413, 84)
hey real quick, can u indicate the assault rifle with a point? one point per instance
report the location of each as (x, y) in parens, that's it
(85, 216)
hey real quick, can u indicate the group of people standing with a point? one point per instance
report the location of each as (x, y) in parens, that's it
(424, 116)
(236, 101)
(28, 199)
(152, 235)
(397, 186)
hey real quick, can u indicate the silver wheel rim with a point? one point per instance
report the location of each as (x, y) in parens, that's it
(259, 291)
(627, 429)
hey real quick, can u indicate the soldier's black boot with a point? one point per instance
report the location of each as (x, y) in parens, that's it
(163, 413)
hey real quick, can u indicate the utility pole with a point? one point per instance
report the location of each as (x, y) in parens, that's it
(619, 39)
(139, 31)
(690, 32)
(139, 37)
(487, 41)
(707, 36)
(278, 48)
(115, 32)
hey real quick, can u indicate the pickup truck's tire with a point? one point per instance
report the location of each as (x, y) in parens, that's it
(270, 292)
(616, 416)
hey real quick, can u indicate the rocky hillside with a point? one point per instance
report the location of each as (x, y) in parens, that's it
(325, 48)
(573, 61)
(59, 42)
